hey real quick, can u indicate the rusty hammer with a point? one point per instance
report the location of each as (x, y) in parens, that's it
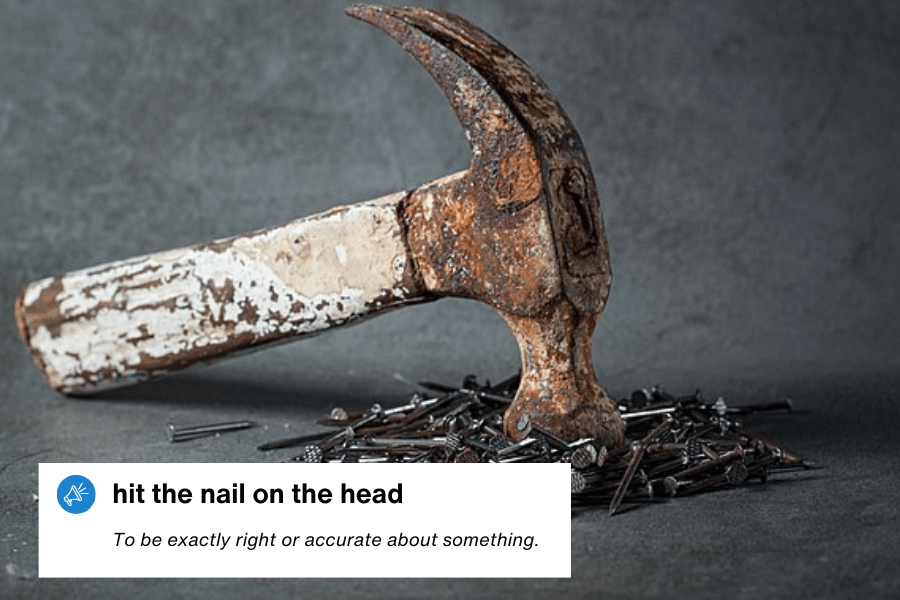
(520, 230)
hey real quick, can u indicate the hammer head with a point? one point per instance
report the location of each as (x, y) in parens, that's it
(521, 229)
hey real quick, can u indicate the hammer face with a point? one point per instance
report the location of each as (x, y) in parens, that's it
(558, 389)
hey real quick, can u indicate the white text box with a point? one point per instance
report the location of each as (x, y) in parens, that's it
(307, 520)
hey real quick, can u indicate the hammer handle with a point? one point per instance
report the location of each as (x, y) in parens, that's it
(129, 320)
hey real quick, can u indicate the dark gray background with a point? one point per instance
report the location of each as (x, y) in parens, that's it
(747, 157)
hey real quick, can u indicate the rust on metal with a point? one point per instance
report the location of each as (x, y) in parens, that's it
(521, 230)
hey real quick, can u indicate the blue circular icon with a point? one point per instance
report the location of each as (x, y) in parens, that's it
(76, 494)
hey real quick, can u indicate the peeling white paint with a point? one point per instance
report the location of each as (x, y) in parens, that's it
(33, 292)
(300, 278)
(428, 206)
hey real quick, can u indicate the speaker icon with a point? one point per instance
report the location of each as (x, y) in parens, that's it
(75, 494)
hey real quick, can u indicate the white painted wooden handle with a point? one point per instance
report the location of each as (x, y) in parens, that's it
(130, 320)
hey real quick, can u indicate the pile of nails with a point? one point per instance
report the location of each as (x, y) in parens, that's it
(676, 445)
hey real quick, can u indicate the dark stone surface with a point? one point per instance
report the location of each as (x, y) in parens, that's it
(747, 154)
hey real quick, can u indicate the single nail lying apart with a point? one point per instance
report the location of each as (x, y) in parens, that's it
(181, 434)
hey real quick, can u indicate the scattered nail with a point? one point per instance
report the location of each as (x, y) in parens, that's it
(678, 445)
(181, 434)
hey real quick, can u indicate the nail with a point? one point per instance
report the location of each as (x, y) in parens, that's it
(553, 440)
(648, 413)
(341, 437)
(578, 482)
(709, 465)
(494, 397)
(584, 456)
(338, 414)
(637, 451)
(685, 450)
(667, 467)
(759, 468)
(709, 452)
(311, 454)
(499, 442)
(720, 407)
(411, 442)
(699, 432)
(467, 456)
(515, 447)
(665, 448)
(481, 393)
(474, 443)
(735, 474)
(453, 441)
(415, 402)
(375, 412)
(788, 458)
(672, 485)
(181, 434)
